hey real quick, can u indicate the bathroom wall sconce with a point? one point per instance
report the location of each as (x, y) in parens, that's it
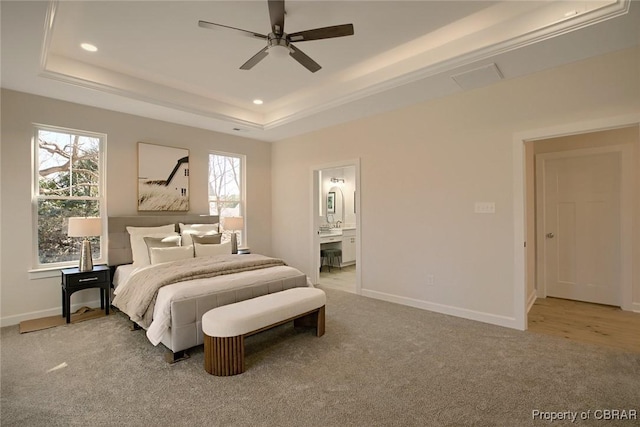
(340, 180)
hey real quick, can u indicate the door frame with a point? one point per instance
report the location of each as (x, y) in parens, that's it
(315, 207)
(624, 153)
(521, 299)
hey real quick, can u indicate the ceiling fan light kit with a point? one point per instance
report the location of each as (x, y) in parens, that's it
(278, 39)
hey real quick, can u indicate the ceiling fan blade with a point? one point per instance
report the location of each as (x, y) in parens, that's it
(255, 59)
(211, 25)
(322, 33)
(276, 13)
(303, 59)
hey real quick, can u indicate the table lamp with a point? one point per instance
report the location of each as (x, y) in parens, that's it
(234, 223)
(85, 227)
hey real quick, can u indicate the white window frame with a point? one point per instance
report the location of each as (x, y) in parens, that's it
(243, 185)
(35, 194)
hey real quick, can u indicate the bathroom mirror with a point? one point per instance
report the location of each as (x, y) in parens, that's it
(335, 205)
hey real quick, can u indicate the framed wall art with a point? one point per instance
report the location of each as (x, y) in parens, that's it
(163, 178)
(331, 202)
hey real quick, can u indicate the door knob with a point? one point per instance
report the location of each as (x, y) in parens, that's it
(550, 235)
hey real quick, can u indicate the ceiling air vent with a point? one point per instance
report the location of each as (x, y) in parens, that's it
(478, 77)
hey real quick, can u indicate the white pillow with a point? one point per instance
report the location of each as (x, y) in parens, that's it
(186, 230)
(139, 249)
(211, 250)
(168, 254)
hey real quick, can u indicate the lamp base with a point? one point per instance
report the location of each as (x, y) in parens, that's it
(86, 263)
(234, 243)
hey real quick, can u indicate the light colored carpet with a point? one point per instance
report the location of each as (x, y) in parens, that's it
(379, 364)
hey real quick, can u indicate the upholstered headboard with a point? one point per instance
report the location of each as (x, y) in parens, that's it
(119, 244)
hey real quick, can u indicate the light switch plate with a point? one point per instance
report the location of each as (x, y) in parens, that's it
(485, 207)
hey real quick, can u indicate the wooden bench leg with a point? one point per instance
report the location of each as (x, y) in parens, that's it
(224, 356)
(315, 319)
(320, 322)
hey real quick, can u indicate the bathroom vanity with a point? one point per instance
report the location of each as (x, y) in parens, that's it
(348, 246)
(341, 238)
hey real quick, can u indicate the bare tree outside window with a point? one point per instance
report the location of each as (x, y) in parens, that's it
(68, 184)
(225, 185)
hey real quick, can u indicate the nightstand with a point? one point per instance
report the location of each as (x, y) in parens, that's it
(74, 280)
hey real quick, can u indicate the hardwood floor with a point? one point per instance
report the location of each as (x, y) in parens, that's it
(342, 279)
(590, 323)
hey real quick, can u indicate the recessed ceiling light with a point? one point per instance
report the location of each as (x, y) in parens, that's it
(89, 47)
(258, 101)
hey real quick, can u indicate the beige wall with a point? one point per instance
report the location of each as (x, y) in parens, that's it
(428, 164)
(615, 137)
(25, 297)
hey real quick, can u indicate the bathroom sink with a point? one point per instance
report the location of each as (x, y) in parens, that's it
(331, 232)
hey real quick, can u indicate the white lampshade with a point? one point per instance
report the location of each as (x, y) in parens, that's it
(84, 227)
(233, 223)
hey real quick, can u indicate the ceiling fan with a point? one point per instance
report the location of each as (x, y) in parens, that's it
(278, 39)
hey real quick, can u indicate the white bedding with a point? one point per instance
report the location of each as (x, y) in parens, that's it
(194, 288)
(122, 275)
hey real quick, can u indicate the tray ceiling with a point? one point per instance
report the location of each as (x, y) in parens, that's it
(154, 60)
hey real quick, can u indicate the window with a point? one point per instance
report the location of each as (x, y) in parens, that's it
(226, 185)
(68, 182)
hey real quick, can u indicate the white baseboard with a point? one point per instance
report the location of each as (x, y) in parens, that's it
(16, 319)
(635, 307)
(508, 322)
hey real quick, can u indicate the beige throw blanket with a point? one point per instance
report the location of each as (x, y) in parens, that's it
(138, 297)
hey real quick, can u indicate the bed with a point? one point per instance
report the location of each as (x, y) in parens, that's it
(193, 286)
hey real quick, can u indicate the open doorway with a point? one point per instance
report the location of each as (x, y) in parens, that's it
(336, 226)
(580, 231)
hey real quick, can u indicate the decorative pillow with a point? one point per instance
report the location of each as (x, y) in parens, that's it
(168, 254)
(139, 247)
(212, 250)
(207, 239)
(186, 230)
(161, 242)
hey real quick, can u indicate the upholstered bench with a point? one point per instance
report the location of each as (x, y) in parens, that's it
(226, 327)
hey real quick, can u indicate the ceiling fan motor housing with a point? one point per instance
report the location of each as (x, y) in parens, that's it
(276, 40)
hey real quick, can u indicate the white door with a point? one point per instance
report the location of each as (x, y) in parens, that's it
(582, 228)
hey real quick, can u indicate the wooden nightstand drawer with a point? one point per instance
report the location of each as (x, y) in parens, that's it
(90, 277)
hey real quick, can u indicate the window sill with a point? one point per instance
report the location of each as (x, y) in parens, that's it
(54, 271)
(45, 273)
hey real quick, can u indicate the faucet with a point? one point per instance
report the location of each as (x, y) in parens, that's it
(338, 223)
